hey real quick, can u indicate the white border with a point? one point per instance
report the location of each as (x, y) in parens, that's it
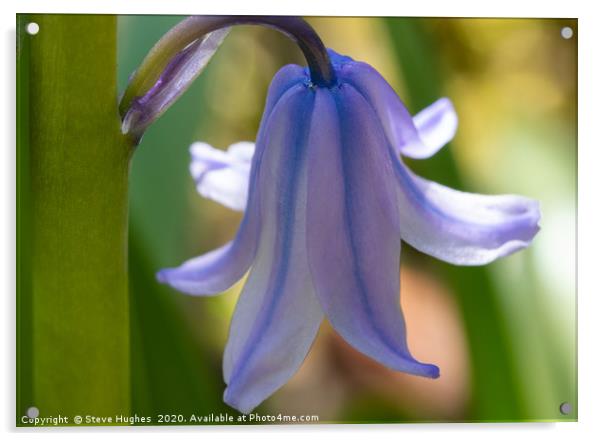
(590, 147)
(457, 8)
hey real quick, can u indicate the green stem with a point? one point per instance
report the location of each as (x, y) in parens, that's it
(73, 349)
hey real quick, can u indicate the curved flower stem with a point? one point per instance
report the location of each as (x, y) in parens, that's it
(193, 28)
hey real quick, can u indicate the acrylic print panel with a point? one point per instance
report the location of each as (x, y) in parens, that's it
(385, 210)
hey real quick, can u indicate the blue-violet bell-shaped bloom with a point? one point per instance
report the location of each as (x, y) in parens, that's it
(327, 201)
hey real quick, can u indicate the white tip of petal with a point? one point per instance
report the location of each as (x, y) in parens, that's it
(242, 150)
(223, 176)
(436, 125)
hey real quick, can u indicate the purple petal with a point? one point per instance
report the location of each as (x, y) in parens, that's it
(436, 125)
(395, 118)
(277, 315)
(223, 176)
(462, 228)
(182, 70)
(419, 137)
(353, 230)
(216, 271)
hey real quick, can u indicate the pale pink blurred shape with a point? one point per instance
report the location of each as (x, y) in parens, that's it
(435, 331)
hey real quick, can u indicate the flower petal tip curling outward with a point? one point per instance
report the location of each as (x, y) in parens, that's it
(223, 176)
(419, 137)
(213, 272)
(428, 371)
(162, 276)
(436, 125)
(462, 228)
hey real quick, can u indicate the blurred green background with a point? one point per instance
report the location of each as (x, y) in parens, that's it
(503, 335)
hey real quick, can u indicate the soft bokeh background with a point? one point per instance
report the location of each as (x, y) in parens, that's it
(503, 335)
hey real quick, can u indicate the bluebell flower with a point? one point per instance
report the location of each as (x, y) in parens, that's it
(327, 200)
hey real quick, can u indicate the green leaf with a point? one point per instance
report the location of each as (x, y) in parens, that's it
(73, 317)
